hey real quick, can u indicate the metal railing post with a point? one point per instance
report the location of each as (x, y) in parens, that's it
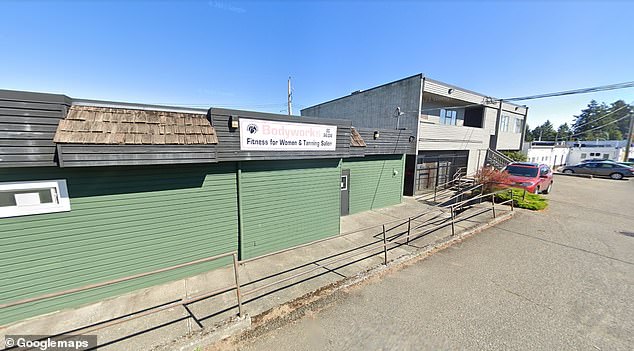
(453, 217)
(409, 228)
(493, 204)
(512, 199)
(524, 195)
(237, 276)
(384, 246)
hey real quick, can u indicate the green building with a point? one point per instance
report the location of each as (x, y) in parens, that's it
(92, 191)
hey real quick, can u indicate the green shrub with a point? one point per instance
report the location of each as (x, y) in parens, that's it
(516, 156)
(531, 201)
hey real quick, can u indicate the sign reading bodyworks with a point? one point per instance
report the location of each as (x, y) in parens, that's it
(261, 135)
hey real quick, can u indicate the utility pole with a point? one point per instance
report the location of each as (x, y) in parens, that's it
(290, 97)
(630, 138)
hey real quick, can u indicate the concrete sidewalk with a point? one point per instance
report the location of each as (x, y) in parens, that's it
(331, 261)
(557, 279)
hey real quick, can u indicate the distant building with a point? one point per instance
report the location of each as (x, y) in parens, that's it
(600, 150)
(551, 153)
(455, 129)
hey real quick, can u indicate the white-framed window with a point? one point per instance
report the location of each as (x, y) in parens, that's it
(583, 155)
(448, 117)
(517, 126)
(504, 124)
(33, 197)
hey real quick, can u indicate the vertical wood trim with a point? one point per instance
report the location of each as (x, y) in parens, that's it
(60, 159)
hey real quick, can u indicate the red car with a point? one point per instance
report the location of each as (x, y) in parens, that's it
(534, 177)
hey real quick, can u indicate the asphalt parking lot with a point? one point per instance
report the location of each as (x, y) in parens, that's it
(558, 279)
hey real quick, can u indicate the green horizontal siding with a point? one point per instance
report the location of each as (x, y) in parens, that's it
(288, 203)
(373, 183)
(123, 221)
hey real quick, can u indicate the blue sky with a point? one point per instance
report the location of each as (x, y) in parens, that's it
(239, 54)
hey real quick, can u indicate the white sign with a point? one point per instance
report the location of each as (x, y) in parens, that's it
(260, 135)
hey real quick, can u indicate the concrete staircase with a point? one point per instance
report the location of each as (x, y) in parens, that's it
(497, 159)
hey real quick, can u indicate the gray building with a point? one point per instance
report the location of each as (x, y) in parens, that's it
(456, 129)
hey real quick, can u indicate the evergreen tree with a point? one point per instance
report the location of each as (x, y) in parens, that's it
(544, 132)
(564, 132)
(529, 134)
(597, 121)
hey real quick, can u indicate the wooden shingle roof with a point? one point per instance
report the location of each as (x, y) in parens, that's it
(106, 125)
(355, 139)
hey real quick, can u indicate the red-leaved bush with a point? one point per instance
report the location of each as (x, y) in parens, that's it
(491, 178)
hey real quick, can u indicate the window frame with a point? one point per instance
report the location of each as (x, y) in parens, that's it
(61, 200)
(504, 123)
(453, 119)
(517, 126)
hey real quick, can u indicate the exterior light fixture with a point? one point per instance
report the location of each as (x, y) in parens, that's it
(376, 134)
(450, 91)
(233, 122)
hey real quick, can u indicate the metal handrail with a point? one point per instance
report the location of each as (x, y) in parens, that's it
(462, 193)
(237, 286)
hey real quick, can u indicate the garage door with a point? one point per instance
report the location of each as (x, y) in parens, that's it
(287, 203)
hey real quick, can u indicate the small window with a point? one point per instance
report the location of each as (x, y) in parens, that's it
(448, 117)
(606, 165)
(606, 156)
(344, 182)
(583, 155)
(517, 127)
(27, 198)
(504, 124)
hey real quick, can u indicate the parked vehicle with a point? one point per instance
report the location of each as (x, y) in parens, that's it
(534, 177)
(613, 170)
(626, 163)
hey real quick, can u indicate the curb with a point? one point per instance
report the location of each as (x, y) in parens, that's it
(211, 336)
(242, 329)
(589, 176)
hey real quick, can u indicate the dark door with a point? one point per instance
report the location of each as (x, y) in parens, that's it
(345, 192)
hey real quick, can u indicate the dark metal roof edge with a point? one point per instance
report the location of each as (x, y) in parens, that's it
(138, 106)
(31, 96)
(420, 75)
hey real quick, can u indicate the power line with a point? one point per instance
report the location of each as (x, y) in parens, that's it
(602, 117)
(599, 127)
(573, 92)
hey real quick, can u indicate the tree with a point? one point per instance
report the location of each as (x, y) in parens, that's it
(621, 111)
(544, 132)
(529, 134)
(599, 121)
(564, 132)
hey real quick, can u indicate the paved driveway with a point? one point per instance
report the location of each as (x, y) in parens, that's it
(562, 279)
